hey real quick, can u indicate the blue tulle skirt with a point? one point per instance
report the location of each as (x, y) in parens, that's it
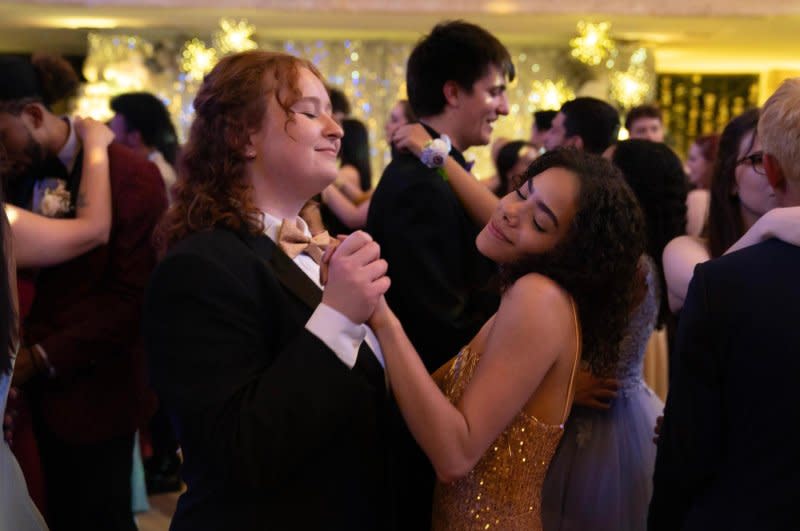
(601, 476)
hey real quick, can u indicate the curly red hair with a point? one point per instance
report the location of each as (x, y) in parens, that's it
(212, 188)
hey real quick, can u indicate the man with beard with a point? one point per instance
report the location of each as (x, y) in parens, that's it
(81, 361)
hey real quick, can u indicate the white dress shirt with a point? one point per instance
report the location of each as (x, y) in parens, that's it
(333, 328)
(166, 169)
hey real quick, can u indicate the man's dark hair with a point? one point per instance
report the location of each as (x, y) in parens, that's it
(453, 51)
(648, 110)
(544, 119)
(145, 113)
(595, 121)
(45, 79)
(339, 102)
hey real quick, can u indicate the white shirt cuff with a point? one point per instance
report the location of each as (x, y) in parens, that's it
(339, 333)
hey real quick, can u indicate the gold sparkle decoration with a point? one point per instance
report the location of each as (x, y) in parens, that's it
(234, 36)
(196, 59)
(547, 94)
(592, 45)
(629, 88)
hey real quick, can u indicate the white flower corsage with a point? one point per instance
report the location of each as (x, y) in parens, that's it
(55, 201)
(435, 153)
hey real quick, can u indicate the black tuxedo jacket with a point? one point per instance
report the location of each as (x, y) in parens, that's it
(438, 276)
(728, 454)
(277, 433)
(438, 293)
(87, 314)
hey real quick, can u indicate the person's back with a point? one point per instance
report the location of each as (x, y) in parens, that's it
(727, 453)
(746, 455)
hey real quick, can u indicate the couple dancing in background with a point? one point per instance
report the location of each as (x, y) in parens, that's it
(282, 392)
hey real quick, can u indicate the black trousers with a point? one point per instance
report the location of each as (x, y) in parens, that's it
(88, 486)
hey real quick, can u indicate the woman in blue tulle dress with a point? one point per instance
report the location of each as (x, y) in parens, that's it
(601, 476)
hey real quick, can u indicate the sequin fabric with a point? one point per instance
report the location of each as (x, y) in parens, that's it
(504, 490)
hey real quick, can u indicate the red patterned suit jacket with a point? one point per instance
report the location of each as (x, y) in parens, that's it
(87, 316)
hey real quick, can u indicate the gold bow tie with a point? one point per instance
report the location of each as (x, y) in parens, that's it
(293, 241)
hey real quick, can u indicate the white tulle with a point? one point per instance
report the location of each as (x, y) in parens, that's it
(17, 511)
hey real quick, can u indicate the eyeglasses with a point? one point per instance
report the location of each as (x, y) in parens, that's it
(756, 161)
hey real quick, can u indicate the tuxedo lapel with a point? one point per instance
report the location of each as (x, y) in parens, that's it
(74, 182)
(286, 271)
(367, 364)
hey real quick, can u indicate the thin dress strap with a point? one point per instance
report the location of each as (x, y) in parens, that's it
(568, 402)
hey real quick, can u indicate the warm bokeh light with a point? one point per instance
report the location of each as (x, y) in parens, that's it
(196, 59)
(593, 45)
(234, 36)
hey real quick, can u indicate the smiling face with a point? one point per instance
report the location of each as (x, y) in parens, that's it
(479, 108)
(296, 152)
(532, 219)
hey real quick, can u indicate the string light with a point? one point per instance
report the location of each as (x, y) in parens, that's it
(196, 59)
(547, 95)
(234, 36)
(629, 88)
(592, 45)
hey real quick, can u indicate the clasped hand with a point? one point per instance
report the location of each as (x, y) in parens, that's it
(356, 278)
(594, 392)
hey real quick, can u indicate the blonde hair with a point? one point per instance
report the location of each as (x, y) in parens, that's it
(779, 127)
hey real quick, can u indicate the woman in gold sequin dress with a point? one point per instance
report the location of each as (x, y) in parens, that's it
(567, 242)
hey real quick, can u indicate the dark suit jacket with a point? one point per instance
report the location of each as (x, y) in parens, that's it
(438, 293)
(277, 433)
(87, 315)
(438, 275)
(728, 454)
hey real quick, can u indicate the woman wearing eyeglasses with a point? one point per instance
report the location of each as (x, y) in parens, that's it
(740, 196)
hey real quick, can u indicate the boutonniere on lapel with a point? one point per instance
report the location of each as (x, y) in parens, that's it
(435, 152)
(51, 198)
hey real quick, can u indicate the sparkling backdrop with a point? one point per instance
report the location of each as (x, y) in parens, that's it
(370, 73)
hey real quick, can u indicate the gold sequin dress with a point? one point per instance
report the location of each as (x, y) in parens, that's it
(504, 490)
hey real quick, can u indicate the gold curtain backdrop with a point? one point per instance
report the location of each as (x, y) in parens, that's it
(370, 72)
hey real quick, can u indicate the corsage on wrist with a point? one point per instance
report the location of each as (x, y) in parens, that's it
(435, 152)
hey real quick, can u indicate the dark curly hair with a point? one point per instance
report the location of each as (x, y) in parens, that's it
(212, 190)
(725, 224)
(596, 262)
(655, 174)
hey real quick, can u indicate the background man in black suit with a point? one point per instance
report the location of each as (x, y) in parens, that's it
(456, 79)
(273, 386)
(728, 452)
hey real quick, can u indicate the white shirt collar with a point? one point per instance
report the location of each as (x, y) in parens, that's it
(69, 153)
(272, 225)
